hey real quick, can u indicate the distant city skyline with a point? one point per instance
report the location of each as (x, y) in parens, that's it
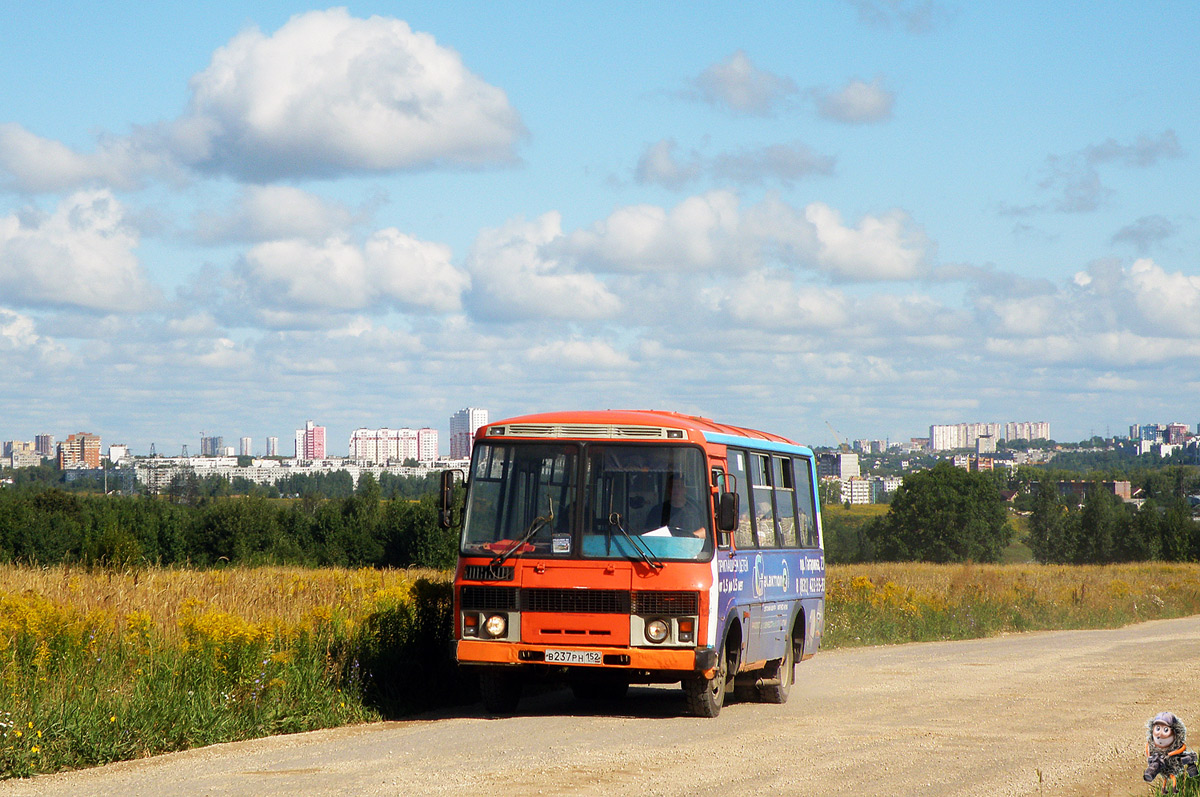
(225, 219)
(404, 438)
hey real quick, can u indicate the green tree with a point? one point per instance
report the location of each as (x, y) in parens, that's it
(1051, 526)
(945, 514)
(1102, 522)
(414, 538)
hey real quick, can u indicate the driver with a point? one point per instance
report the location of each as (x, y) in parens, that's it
(680, 513)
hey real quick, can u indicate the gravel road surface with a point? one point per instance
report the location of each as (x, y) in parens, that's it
(1058, 713)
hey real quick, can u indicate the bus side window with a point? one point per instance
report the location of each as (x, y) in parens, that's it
(763, 503)
(743, 536)
(804, 503)
(785, 509)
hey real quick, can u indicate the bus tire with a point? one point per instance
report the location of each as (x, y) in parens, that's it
(780, 678)
(705, 696)
(500, 690)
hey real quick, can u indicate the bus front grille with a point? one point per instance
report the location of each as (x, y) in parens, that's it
(485, 599)
(680, 604)
(589, 601)
(488, 572)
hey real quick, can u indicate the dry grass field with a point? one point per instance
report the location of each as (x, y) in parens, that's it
(99, 665)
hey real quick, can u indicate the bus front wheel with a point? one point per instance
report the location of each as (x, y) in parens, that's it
(500, 690)
(705, 696)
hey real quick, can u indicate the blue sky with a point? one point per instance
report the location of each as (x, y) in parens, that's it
(879, 214)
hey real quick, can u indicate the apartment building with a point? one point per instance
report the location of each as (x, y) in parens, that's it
(80, 449)
(463, 426)
(310, 442)
(380, 446)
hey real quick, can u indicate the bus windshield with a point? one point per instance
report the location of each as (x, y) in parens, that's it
(520, 498)
(593, 500)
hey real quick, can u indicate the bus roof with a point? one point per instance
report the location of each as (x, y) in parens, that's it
(617, 418)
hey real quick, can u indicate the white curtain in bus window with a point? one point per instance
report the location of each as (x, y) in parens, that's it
(804, 502)
(743, 535)
(763, 501)
(785, 509)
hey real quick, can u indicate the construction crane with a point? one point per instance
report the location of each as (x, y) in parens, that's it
(841, 443)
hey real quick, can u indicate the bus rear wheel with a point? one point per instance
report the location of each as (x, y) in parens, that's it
(500, 690)
(705, 696)
(781, 680)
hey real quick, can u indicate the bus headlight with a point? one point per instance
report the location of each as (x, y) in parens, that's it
(657, 630)
(496, 625)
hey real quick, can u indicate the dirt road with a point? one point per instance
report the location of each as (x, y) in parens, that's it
(1048, 713)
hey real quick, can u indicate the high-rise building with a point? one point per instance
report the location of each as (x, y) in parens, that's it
(463, 425)
(380, 446)
(1027, 430)
(272, 446)
(427, 445)
(44, 444)
(247, 447)
(82, 448)
(946, 437)
(838, 465)
(310, 442)
(20, 448)
(211, 446)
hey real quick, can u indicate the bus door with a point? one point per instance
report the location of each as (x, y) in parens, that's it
(754, 576)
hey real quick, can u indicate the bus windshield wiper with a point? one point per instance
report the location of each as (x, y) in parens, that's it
(537, 525)
(614, 520)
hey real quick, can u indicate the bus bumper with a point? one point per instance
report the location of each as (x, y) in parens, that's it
(682, 660)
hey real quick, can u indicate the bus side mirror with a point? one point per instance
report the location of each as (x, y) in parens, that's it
(446, 508)
(727, 512)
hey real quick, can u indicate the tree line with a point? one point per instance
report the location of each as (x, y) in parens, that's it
(946, 514)
(44, 525)
(943, 514)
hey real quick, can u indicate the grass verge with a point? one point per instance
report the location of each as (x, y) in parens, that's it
(99, 666)
(882, 604)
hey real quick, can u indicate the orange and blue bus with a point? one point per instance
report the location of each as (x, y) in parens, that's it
(623, 547)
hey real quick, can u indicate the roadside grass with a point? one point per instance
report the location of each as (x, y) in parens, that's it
(882, 603)
(99, 665)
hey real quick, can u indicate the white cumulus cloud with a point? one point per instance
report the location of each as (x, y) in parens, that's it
(1166, 301)
(274, 212)
(327, 94)
(856, 102)
(390, 270)
(80, 255)
(700, 233)
(737, 84)
(775, 301)
(884, 247)
(580, 355)
(660, 166)
(514, 277)
(31, 163)
(712, 232)
(330, 94)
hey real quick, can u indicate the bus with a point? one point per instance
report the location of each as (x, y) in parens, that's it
(624, 547)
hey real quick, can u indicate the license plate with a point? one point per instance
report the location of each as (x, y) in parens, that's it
(573, 657)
